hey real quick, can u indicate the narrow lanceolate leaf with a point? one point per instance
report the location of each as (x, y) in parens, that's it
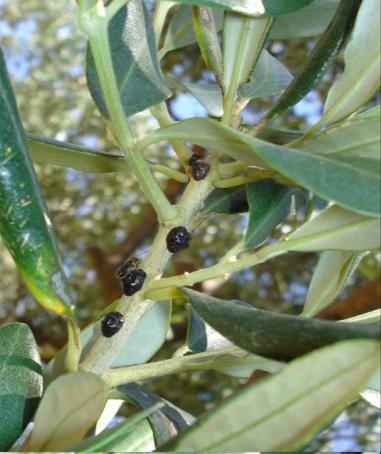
(277, 136)
(356, 140)
(20, 381)
(243, 41)
(24, 221)
(361, 76)
(368, 317)
(269, 78)
(70, 407)
(252, 7)
(353, 183)
(167, 421)
(202, 337)
(311, 20)
(226, 201)
(132, 435)
(269, 204)
(338, 230)
(330, 277)
(135, 64)
(278, 336)
(207, 37)
(313, 389)
(317, 62)
(57, 153)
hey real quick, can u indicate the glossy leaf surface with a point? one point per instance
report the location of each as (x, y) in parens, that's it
(24, 222)
(362, 58)
(330, 277)
(70, 407)
(275, 335)
(135, 64)
(252, 7)
(313, 389)
(269, 78)
(269, 204)
(20, 381)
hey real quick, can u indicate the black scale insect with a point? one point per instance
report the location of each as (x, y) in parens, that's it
(199, 168)
(131, 276)
(128, 265)
(178, 239)
(112, 323)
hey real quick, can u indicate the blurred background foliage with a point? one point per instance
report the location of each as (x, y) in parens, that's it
(100, 219)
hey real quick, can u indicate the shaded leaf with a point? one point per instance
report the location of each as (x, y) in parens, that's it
(132, 435)
(311, 20)
(24, 222)
(317, 61)
(70, 407)
(313, 389)
(269, 204)
(269, 78)
(180, 31)
(166, 421)
(20, 381)
(206, 30)
(275, 335)
(135, 64)
(361, 76)
(336, 229)
(145, 340)
(252, 8)
(226, 201)
(330, 277)
(277, 136)
(55, 152)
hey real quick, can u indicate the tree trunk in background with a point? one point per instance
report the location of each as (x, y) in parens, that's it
(361, 300)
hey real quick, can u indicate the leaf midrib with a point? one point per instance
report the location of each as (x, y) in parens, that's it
(300, 397)
(63, 420)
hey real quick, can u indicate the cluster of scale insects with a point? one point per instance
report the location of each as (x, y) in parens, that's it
(131, 276)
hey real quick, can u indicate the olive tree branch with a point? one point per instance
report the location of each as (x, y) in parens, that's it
(226, 357)
(94, 23)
